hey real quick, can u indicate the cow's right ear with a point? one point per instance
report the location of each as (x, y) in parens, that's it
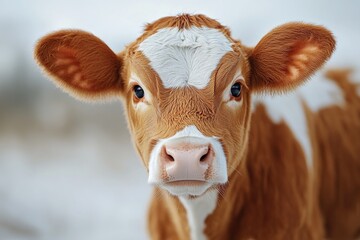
(81, 64)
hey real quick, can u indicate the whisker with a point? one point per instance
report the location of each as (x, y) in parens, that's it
(236, 171)
(221, 194)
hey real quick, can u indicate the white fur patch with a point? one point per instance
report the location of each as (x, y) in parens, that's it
(219, 164)
(355, 78)
(184, 57)
(358, 90)
(318, 93)
(197, 211)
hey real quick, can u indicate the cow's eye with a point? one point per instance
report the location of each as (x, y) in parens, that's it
(236, 89)
(138, 91)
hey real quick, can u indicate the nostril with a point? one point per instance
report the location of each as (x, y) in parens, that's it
(170, 158)
(166, 155)
(203, 157)
(206, 154)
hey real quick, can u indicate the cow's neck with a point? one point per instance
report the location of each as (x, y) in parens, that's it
(197, 210)
(210, 216)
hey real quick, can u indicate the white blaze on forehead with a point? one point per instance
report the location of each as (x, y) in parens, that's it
(317, 94)
(185, 57)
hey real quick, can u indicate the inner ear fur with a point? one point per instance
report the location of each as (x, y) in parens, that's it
(288, 55)
(80, 63)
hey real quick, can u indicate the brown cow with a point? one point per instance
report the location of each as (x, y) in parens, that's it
(227, 163)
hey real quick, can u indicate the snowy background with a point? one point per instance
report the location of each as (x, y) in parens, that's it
(67, 169)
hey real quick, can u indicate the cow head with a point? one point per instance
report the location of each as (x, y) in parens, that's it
(186, 86)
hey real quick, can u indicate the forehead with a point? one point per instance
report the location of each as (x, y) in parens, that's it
(185, 56)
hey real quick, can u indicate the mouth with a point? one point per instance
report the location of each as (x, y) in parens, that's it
(186, 183)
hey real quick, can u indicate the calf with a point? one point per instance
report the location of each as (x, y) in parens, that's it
(226, 164)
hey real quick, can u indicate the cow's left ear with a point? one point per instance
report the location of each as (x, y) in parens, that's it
(81, 64)
(288, 55)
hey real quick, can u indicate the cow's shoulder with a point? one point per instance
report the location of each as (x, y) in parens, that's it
(294, 110)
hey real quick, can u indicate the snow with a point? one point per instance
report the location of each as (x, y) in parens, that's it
(85, 184)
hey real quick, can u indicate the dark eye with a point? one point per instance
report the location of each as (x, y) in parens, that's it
(236, 90)
(139, 92)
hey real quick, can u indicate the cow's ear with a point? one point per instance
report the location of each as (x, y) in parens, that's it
(288, 55)
(80, 63)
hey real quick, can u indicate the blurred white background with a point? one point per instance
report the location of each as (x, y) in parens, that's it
(67, 169)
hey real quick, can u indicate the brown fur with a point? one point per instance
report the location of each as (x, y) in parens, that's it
(287, 44)
(338, 143)
(271, 194)
(80, 63)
